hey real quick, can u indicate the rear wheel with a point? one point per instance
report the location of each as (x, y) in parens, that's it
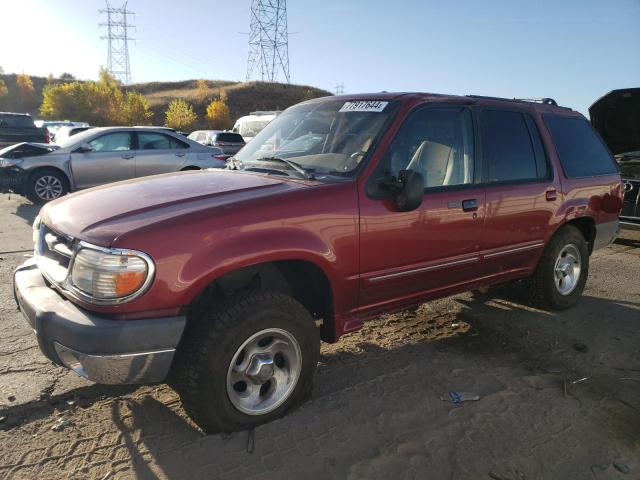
(46, 185)
(246, 362)
(562, 272)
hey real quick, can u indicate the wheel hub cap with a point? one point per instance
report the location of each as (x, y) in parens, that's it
(567, 269)
(264, 371)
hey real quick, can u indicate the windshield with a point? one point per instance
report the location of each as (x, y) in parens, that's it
(327, 137)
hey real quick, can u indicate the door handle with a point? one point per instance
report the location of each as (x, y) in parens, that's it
(551, 195)
(470, 205)
(179, 154)
(127, 156)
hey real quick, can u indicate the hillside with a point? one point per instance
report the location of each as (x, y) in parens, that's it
(242, 97)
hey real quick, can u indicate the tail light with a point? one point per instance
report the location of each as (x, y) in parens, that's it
(220, 156)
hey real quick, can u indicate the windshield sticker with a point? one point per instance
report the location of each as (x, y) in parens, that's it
(364, 106)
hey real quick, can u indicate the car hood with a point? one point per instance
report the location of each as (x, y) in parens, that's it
(100, 215)
(616, 116)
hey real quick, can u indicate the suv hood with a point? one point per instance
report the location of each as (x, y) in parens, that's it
(101, 214)
(616, 116)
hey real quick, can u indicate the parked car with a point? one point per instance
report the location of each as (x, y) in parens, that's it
(616, 116)
(103, 155)
(229, 142)
(19, 127)
(224, 281)
(63, 133)
(54, 125)
(250, 125)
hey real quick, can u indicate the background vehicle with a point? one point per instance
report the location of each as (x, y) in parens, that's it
(616, 116)
(229, 142)
(250, 125)
(103, 155)
(54, 125)
(19, 127)
(226, 280)
(63, 133)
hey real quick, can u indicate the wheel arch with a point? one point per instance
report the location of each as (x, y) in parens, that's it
(586, 225)
(303, 280)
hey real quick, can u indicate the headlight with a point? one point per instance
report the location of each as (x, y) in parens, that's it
(110, 276)
(10, 162)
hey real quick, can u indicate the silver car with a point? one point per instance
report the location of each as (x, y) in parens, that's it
(100, 155)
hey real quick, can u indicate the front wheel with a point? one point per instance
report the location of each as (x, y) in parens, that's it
(247, 362)
(46, 185)
(562, 272)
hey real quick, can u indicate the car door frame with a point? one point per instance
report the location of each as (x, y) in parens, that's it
(184, 156)
(370, 305)
(517, 256)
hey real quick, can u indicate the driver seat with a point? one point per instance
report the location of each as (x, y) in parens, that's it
(434, 161)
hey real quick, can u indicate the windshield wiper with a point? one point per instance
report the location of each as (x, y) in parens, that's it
(306, 174)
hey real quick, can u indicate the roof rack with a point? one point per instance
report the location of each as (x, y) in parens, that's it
(544, 101)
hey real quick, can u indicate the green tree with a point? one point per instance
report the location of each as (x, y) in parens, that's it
(218, 115)
(67, 77)
(180, 115)
(136, 109)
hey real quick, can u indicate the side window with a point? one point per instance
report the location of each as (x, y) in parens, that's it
(507, 148)
(112, 142)
(437, 143)
(582, 153)
(158, 141)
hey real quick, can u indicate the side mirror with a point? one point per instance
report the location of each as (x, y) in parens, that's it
(407, 190)
(84, 148)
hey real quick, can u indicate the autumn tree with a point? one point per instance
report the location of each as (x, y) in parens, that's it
(25, 90)
(218, 116)
(3, 88)
(136, 109)
(180, 115)
(202, 90)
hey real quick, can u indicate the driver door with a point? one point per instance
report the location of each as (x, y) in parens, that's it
(407, 256)
(111, 158)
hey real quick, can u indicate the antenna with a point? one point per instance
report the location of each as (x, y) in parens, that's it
(118, 36)
(268, 41)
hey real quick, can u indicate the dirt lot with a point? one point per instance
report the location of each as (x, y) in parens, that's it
(560, 395)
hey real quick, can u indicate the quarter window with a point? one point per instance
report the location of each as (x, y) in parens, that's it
(507, 147)
(112, 142)
(582, 153)
(438, 144)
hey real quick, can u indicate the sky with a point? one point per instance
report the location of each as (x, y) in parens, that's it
(572, 50)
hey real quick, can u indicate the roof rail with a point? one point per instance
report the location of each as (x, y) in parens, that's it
(545, 101)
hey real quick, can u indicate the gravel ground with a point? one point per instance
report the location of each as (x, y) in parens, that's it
(560, 395)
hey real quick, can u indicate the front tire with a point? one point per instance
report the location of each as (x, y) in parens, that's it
(46, 185)
(562, 271)
(246, 362)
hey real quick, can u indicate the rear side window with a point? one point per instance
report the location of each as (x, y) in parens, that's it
(582, 153)
(157, 141)
(508, 147)
(16, 121)
(229, 137)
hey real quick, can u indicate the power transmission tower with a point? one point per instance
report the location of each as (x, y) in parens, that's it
(339, 88)
(118, 27)
(268, 41)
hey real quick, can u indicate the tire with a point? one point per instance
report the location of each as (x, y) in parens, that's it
(211, 388)
(46, 185)
(558, 280)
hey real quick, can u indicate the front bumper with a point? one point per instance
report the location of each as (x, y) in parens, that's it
(12, 180)
(98, 348)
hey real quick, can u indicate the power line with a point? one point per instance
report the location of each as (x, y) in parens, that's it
(118, 27)
(268, 41)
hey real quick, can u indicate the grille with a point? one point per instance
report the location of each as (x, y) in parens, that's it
(631, 205)
(54, 252)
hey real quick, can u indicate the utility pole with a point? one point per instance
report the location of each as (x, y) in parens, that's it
(339, 88)
(268, 41)
(118, 27)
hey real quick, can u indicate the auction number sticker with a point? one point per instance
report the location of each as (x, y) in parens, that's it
(364, 106)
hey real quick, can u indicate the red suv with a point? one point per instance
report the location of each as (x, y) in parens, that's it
(342, 208)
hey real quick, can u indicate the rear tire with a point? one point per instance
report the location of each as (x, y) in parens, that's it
(46, 185)
(246, 362)
(562, 271)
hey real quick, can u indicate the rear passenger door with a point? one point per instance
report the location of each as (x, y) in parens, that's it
(521, 191)
(159, 153)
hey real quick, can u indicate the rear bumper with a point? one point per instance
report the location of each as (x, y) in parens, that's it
(606, 233)
(98, 348)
